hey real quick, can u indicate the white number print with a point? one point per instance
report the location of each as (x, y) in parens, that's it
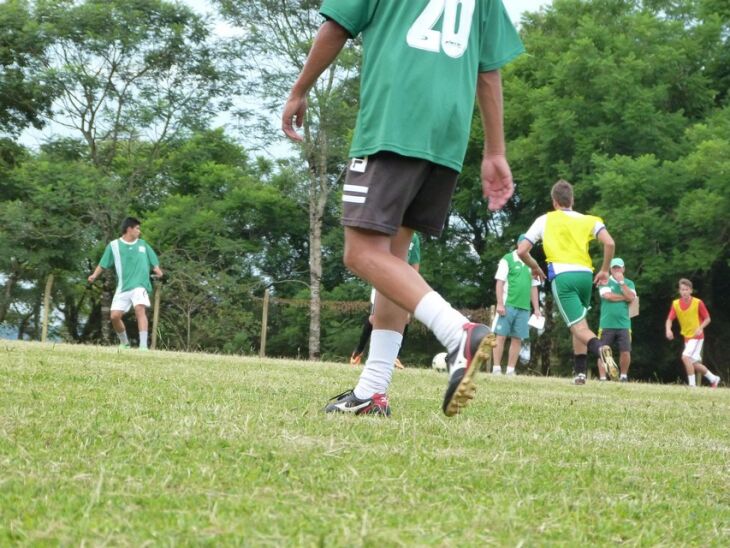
(453, 39)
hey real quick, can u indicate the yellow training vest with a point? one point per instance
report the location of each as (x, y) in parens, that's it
(689, 320)
(567, 237)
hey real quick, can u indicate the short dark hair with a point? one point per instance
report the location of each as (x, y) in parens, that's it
(562, 193)
(129, 222)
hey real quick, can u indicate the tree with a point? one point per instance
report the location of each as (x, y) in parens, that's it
(277, 37)
(26, 92)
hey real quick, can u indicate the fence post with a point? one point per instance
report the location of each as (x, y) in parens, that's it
(156, 314)
(46, 306)
(264, 322)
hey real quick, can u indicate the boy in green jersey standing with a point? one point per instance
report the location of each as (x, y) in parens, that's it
(565, 235)
(516, 289)
(132, 259)
(615, 326)
(423, 63)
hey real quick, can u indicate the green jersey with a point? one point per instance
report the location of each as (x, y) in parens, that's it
(517, 291)
(419, 71)
(414, 250)
(132, 262)
(615, 314)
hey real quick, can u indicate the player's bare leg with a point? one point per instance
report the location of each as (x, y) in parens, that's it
(116, 317)
(140, 311)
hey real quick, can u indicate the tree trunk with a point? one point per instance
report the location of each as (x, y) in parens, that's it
(7, 294)
(107, 294)
(46, 306)
(317, 201)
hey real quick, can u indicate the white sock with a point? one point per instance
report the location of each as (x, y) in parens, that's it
(497, 370)
(510, 370)
(123, 337)
(143, 339)
(710, 376)
(691, 380)
(444, 322)
(624, 376)
(378, 370)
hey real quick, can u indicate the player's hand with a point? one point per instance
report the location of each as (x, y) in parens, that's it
(601, 278)
(497, 185)
(699, 331)
(501, 310)
(91, 279)
(670, 335)
(538, 273)
(294, 110)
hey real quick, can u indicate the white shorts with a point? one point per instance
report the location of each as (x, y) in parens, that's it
(124, 301)
(693, 349)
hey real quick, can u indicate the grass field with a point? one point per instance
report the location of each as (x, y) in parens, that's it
(101, 447)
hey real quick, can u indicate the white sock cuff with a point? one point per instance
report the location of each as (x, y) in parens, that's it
(428, 308)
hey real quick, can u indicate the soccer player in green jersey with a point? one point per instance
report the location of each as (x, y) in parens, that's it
(565, 235)
(615, 324)
(516, 289)
(423, 63)
(132, 259)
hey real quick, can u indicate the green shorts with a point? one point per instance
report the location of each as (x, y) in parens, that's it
(572, 292)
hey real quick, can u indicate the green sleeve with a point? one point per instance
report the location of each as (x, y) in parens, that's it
(107, 259)
(353, 15)
(151, 255)
(500, 41)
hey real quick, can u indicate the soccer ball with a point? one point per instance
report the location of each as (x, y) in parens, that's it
(439, 361)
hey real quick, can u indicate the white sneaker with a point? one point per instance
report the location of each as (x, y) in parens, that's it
(497, 371)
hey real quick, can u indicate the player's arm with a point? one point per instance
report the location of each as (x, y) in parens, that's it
(497, 184)
(94, 275)
(668, 324)
(534, 299)
(328, 43)
(499, 290)
(523, 252)
(705, 317)
(601, 277)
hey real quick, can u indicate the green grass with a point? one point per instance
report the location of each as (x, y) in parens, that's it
(99, 447)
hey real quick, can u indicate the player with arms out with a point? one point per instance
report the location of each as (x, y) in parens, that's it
(132, 259)
(693, 317)
(423, 63)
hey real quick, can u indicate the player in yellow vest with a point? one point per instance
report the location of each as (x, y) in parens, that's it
(565, 235)
(693, 317)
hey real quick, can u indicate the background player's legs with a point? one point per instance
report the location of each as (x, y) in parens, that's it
(515, 345)
(118, 325)
(497, 354)
(367, 329)
(140, 311)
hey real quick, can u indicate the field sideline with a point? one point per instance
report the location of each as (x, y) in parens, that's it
(98, 446)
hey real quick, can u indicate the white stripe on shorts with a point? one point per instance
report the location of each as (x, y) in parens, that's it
(355, 188)
(353, 199)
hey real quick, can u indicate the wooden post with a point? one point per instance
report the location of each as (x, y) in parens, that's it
(46, 307)
(264, 322)
(156, 314)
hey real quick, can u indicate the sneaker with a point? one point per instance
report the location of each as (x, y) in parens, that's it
(497, 371)
(623, 379)
(463, 363)
(714, 383)
(607, 357)
(348, 403)
(123, 346)
(511, 373)
(144, 349)
(355, 359)
(579, 379)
